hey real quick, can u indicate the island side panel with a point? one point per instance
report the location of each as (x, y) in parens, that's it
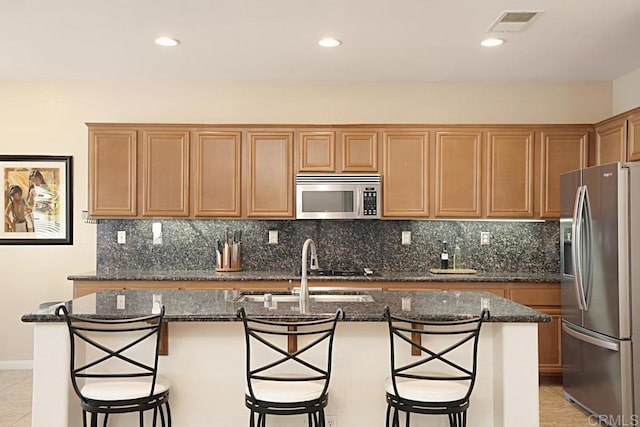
(54, 404)
(516, 381)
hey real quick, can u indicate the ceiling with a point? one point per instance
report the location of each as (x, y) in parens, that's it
(383, 40)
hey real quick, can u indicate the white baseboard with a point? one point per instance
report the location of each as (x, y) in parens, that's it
(15, 364)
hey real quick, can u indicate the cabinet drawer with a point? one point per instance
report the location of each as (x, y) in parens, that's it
(546, 296)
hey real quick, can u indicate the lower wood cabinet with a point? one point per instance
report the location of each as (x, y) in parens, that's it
(544, 298)
(550, 344)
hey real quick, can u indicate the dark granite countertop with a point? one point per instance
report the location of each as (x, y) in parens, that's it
(382, 276)
(213, 306)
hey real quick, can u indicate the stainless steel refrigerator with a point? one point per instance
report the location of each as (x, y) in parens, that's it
(600, 265)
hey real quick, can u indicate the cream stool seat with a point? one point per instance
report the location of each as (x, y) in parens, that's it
(124, 390)
(428, 390)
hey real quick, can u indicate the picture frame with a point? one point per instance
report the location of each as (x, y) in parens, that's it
(37, 200)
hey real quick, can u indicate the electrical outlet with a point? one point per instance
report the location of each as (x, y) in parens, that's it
(406, 238)
(122, 237)
(120, 302)
(330, 421)
(485, 238)
(273, 237)
(156, 307)
(157, 233)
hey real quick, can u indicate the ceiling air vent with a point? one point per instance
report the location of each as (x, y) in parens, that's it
(513, 21)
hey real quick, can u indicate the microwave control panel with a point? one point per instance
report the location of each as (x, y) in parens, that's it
(370, 202)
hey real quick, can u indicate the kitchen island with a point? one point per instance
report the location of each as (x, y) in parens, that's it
(206, 362)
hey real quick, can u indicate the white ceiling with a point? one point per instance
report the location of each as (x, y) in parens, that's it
(384, 40)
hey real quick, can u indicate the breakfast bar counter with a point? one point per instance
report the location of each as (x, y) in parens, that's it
(206, 358)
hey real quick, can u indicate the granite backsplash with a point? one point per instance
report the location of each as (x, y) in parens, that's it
(190, 244)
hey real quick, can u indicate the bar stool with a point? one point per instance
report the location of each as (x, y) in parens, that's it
(289, 385)
(435, 383)
(127, 383)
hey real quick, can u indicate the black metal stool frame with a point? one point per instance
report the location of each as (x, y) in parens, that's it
(456, 410)
(314, 409)
(149, 326)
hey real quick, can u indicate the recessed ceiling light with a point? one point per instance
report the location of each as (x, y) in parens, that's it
(492, 42)
(329, 42)
(166, 42)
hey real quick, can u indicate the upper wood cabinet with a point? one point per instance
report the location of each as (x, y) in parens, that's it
(317, 151)
(359, 151)
(560, 151)
(449, 171)
(611, 142)
(165, 173)
(270, 174)
(510, 177)
(406, 174)
(634, 137)
(217, 160)
(458, 173)
(113, 181)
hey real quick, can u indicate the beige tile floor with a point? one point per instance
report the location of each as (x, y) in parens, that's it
(555, 411)
(15, 398)
(15, 403)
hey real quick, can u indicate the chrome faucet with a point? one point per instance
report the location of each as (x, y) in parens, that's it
(304, 284)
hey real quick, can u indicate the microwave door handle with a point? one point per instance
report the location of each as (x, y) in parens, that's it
(359, 208)
(575, 245)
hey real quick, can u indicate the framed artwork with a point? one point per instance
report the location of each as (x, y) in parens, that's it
(37, 200)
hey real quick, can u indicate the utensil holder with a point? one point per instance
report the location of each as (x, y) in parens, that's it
(230, 259)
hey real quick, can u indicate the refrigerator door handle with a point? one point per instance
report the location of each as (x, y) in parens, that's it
(586, 234)
(575, 254)
(608, 345)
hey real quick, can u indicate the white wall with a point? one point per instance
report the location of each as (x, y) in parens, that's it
(626, 92)
(48, 118)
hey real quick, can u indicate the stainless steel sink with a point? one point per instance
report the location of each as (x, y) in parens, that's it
(336, 298)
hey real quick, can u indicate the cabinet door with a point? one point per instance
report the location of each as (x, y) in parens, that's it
(165, 173)
(611, 142)
(112, 172)
(270, 175)
(458, 174)
(549, 344)
(359, 151)
(217, 174)
(405, 174)
(317, 151)
(634, 137)
(510, 181)
(561, 151)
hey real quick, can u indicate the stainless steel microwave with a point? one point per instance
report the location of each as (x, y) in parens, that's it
(338, 196)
